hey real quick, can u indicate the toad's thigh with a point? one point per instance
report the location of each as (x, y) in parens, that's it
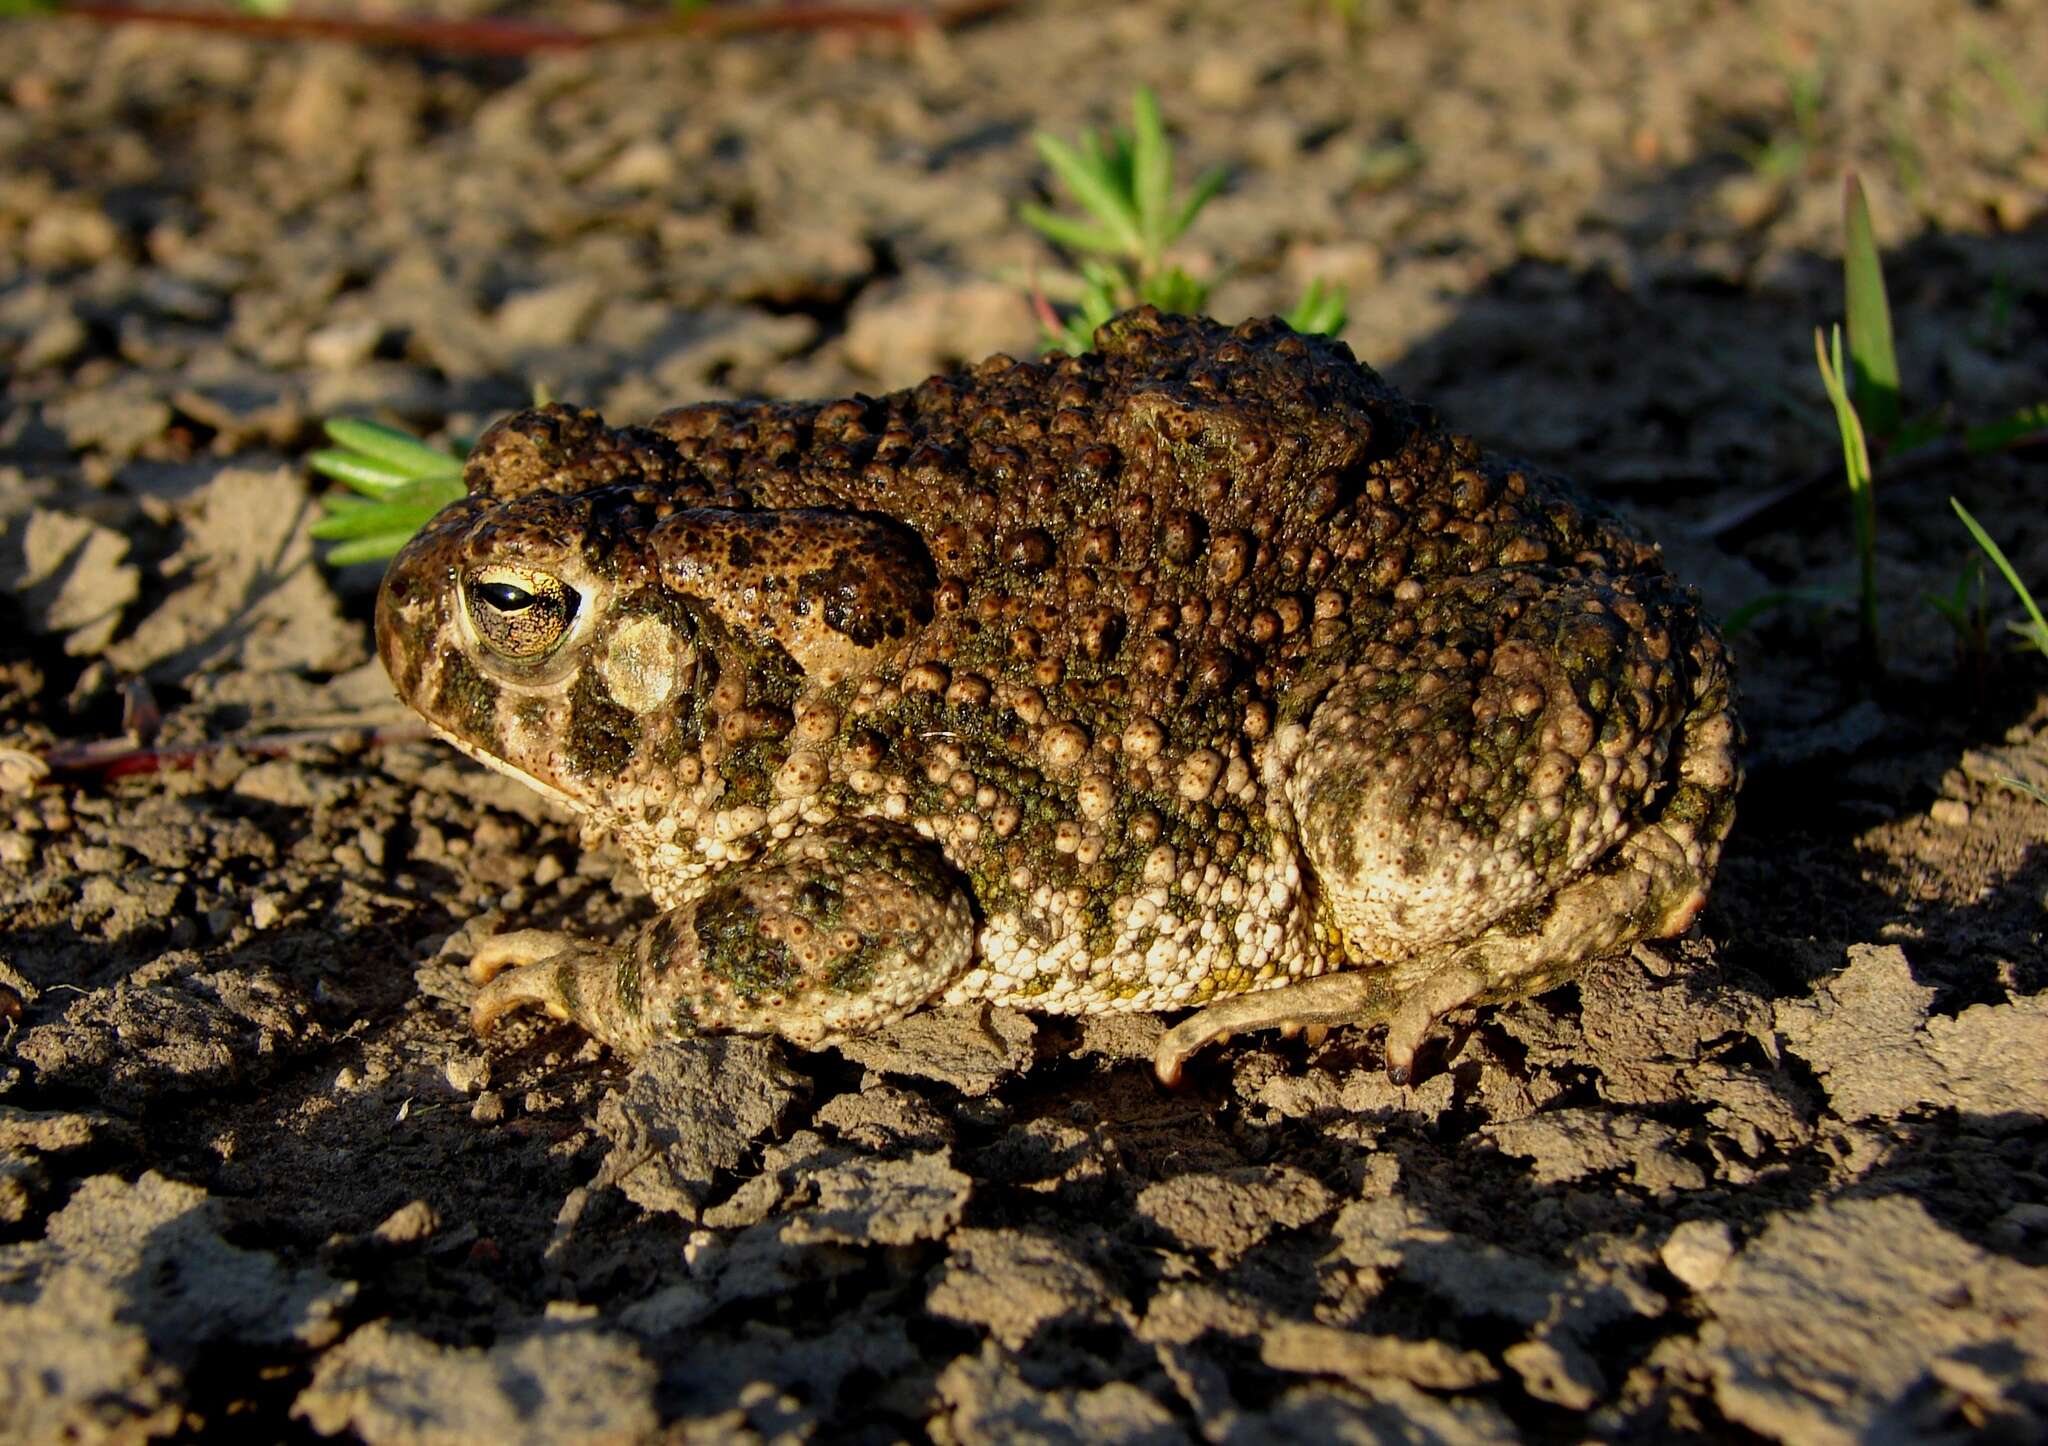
(1503, 736)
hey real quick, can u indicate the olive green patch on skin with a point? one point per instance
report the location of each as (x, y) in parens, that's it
(852, 973)
(733, 948)
(602, 735)
(662, 937)
(628, 983)
(469, 701)
(569, 983)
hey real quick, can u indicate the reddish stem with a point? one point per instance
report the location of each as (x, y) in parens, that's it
(525, 37)
(110, 758)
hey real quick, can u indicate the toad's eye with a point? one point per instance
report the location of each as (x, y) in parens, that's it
(503, 597)
(519, 613)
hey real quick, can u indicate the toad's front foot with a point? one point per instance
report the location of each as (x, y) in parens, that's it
(521, 968)
(826, 935)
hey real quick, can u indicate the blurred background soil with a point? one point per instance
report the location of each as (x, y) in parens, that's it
(1783, 1179)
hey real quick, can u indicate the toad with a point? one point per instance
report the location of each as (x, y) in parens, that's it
(1201, 672)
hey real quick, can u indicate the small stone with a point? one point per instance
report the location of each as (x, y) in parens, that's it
(265, 910)
(468, 1073)
(1698, 1251)
(415, 1220)
(344, 344)
(547, 871)
(1558, 1372)
(16, 848)
(488, 1109)
(1950, 813)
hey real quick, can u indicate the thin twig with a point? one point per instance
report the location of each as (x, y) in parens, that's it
(526, 37)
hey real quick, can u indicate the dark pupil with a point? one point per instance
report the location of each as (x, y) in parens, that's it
(505, 597)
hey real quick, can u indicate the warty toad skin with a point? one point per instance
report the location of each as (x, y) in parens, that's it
(1201, 671)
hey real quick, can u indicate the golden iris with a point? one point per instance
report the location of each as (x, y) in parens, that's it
(519, 613)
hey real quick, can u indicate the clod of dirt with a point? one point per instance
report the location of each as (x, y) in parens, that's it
(1014, 1283)
(882, 1117)
(972, 1048)
(170, 1028)
(1846, 1323)
(835, 1197)
(256, 599)
(563, 1382)
(689, 1110)
(130, 1285)
(1385, 1410)
(1573, 1144)
(988, 1399)
(70, 576)
(1318, 1350)
(1226, 1214)
(1868, 1033)
(117, 420)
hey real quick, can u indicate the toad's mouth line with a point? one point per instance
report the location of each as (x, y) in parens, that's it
(491, 760)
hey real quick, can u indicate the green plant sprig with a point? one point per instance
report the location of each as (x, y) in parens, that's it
(1862, 498)
(2033, 633)
(1123, 182)
(1866, 398)
(402, 480)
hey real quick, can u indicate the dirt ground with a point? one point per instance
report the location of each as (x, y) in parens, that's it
(1784, 1179)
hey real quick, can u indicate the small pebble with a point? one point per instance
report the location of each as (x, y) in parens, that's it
(1698, 1251)
(265, 910)
(547, 871)
(15, 848)
(488, 1109)
(1950, 813)
(345, 1078)
(468, 1073)
(343, 344)
(415, 1220)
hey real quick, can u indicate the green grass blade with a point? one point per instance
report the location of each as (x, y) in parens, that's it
(409, 506)
(1076, 235)
(402, 452)
(1322, 310)
(357, 471)
(1874, 365)
(1997, 436)
(2021, 786)
(369, 549)
(1092, 183)
(1204, 192)
(1856, 463)
(1151, 173)
(2036, 634)
(1174, 291)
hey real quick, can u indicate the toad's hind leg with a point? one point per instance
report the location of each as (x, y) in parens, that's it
(1648, 889)
(825, 935)
(1541, 773)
